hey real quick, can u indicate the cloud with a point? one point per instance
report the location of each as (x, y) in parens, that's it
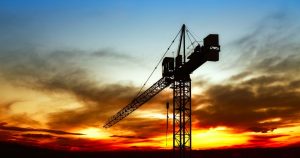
(240, 76)
(261, 129)
(6, 106)
(262, 141)
(38, 136)
(109, 100)
(59, 142)
(109, 53)
(265, 94)
(295, 84)
(273, 37)
(143, 127)
(21, 119)
(129, 137)
(261, 98)
(246, 103)
(62, 72)
(21, 129)
(16, 118)
(101, 103)
(32, 69)
(81, 144)
(2, 123)
(147, 120)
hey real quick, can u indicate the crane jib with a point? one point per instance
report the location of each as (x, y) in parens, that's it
(139, 101)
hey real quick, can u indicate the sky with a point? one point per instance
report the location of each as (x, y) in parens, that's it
(67, 66)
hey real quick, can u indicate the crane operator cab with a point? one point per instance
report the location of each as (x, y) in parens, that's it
(197, 49)
(168, 67)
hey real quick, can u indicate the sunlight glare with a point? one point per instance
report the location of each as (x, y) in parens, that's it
(216, 137)
(94, 133)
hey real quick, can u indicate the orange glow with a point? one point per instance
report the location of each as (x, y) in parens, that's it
(150, 114)
(216, 137)
(152, 142)
(292, 135)
(94, 133)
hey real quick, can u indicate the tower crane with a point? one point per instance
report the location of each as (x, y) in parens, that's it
(176, 72)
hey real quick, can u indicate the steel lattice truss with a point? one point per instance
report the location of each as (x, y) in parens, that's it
(139, 100)
(182, 141)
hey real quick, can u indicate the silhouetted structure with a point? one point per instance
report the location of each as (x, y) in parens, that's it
(176, 72)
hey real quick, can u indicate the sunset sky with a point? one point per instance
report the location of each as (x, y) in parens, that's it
(66, 66)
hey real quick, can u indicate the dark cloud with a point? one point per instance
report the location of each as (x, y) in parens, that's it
(261, 129)
(248, 103)
(7, 135)
(38, 136)
(21, 129)
(129, 137)
(263, 140)
(61, 142)
(109, 53)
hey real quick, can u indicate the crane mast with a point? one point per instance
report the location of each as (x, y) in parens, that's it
(182, 122)
(176, 72)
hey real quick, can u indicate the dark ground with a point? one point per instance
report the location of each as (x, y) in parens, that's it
(12, 150)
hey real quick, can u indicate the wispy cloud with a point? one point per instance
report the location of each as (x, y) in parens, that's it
(111, 54)
(262, 90)
(273, 36)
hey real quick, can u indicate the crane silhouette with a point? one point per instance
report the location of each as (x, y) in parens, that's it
(176, 72)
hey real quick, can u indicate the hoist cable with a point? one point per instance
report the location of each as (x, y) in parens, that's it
(192, 43)
(188, 31)
(157, 64)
